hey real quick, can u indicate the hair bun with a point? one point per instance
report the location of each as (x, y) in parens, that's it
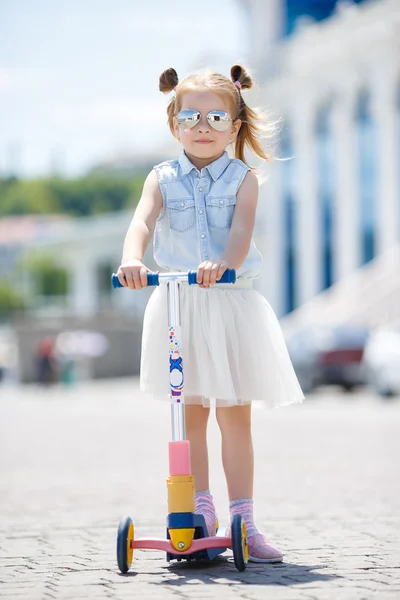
(239, 73)
(168, 80)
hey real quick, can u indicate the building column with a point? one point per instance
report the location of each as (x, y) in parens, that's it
(387, 157)
(83, 297)
(346, 247)
(308, 273)
(270, 240)
(265, 27)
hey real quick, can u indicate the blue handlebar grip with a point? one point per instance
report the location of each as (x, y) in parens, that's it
(228, 277)
(115, 281)
(152, 279)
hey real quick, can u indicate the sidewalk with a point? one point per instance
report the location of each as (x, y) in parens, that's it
(73, 461)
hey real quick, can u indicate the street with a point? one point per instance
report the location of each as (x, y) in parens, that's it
(73, 460)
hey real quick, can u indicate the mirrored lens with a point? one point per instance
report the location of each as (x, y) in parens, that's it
(219, 120)
(188, 118)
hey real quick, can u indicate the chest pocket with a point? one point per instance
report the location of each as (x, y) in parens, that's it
(181, 213)
(220, 211)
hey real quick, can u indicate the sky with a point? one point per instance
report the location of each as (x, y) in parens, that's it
(79, 79)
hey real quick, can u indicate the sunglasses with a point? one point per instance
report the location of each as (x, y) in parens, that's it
(217, 119)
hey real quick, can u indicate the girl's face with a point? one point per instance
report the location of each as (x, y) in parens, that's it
(202, 143)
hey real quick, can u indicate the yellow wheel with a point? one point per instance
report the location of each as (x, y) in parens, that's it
(239, 543)
(126, 535)
(244, 543)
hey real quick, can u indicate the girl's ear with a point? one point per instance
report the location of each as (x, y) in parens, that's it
(235, 129)
(176, 128)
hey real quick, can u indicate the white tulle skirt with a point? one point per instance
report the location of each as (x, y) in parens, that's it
(233, 349)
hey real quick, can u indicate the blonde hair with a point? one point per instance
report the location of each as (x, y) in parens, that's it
(254, 126)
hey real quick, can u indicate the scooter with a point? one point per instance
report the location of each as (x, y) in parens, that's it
(187, 537)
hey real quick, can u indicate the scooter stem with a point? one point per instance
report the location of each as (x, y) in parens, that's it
(176, 372)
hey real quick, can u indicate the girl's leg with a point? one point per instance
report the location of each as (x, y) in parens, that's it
(238, 462)
(237, 450)
(196, 417)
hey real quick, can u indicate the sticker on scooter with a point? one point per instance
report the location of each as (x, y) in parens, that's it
(175, 362)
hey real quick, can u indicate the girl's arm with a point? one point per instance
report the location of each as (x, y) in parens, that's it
(239, 238)
(242, 227)
(133, 273)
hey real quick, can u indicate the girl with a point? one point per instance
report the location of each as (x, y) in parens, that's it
(201, 209)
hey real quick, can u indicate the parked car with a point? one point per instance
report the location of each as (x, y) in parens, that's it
(323, 355)
(381, 361)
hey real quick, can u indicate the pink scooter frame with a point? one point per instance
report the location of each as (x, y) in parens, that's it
(187, 535)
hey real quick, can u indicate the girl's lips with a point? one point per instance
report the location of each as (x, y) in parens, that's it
(203, 141)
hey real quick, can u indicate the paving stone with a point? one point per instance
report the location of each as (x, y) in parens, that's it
(327, 492)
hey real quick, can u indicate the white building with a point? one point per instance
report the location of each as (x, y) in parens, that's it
(336, 85)
(90, 250)
(335, 204)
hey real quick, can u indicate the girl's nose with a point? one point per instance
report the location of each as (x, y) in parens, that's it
(203, 125)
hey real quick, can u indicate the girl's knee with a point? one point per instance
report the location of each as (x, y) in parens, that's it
(237, 417)
(196, 416)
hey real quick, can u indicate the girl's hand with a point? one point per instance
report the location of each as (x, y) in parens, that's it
(210, 271)
(133, 274)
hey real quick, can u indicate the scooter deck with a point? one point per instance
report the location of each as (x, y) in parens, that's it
(203, 546)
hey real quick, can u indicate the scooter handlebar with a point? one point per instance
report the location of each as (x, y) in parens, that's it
(153, 278)
(228, 277)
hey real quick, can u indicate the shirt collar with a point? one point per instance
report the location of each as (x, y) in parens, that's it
(215, 168)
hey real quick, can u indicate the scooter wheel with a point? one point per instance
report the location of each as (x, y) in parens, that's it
(125, 536)
(239, 543)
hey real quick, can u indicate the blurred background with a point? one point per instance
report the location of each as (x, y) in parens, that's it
(82, 122)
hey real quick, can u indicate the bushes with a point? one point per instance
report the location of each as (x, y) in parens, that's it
(93, 194)
(49, 277)
(10, 300)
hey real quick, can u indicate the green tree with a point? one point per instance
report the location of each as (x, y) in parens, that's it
(93, 194)
(27, 197)
(10, 300)
(49, 277)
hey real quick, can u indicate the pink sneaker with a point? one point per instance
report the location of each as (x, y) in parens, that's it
(261, 550)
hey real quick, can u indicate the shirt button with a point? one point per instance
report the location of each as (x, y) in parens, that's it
(182, 204)
(202, 236)
(200, 189)
(200, 212)
(221, 201)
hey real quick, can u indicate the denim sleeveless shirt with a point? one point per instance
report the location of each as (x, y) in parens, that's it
(197, 214)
